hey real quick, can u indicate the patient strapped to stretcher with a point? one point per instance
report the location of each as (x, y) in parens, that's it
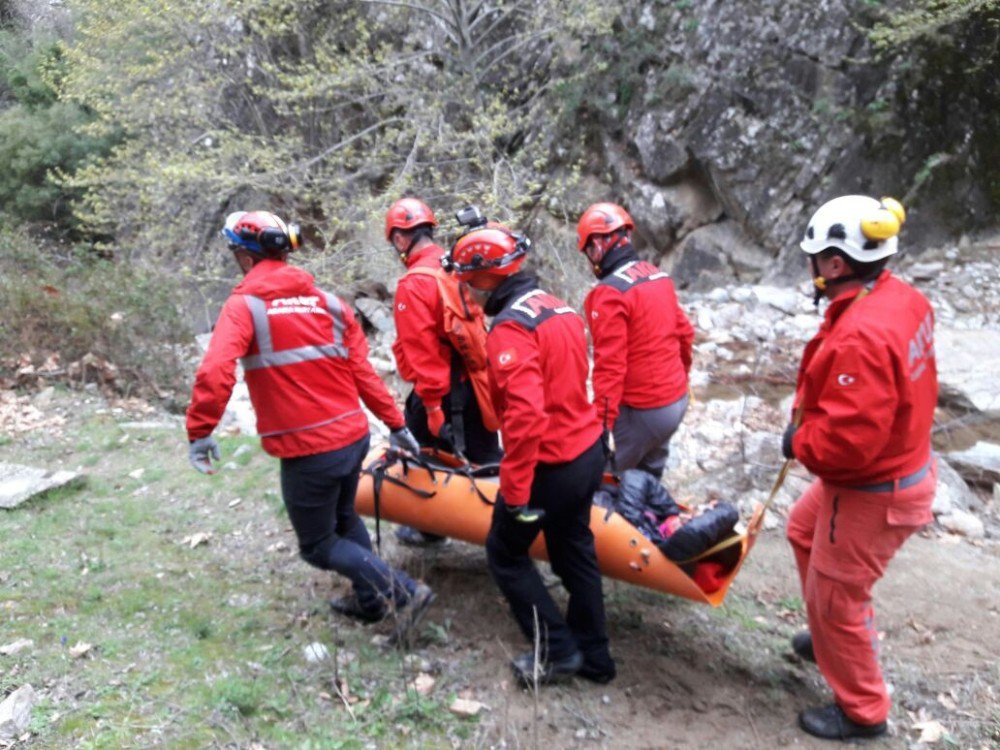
(679, 534)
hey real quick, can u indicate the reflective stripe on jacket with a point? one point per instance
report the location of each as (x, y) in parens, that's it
(868, 387)
(642, 339)
(306, 365)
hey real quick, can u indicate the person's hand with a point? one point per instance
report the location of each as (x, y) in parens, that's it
(521, 513)
(786, 441)
(201, 452)
(435, 418)
(402, 439)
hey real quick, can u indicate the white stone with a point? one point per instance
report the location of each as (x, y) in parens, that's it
(718, 295)
(15, 712)
(979, 464)
(961, 522)
(967, 363)
(786, 300)
(316, 652)
(18, 483)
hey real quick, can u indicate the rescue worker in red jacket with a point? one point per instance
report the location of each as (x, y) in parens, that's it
(305, 362)
(642, 342)
(442, 410)
(864, 407)
(553, 457)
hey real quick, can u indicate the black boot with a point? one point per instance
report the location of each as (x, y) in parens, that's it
(831, 723)
(411, 537)
(349, 605)
(550, 671)
(409, 616)
(802, 644)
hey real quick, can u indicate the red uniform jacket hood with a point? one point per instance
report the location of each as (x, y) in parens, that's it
(273, 279)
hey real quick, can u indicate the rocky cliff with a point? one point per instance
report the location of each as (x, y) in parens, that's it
(733, 121)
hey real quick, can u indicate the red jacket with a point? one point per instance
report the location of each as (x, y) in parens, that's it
(538, 367)
(868, 386)
(642, 339)
(305, 360)
(421, 349)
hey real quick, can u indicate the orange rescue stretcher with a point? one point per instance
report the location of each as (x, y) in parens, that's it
(439, 494)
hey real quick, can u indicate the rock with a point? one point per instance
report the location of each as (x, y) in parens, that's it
(662, 156)
(375, 313)
(465, 707)
(16, 646)
(665, 213)
(963, 523)
(315, 652)
(712, 254)
(787, 300)
(952, 491)
(19, 483)
(980, 464)
(925, 271)
(967, 363)
(15, 712)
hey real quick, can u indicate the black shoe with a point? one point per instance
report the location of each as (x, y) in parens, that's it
(549, 671)
(349, 605)
(409, 616)
(802, 644)
(601, 675)
(831, 723)
(411, 537)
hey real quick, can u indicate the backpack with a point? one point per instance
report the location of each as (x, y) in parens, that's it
(465, 327)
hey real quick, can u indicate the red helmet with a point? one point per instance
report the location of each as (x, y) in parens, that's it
(601, 218)
(408, 213)
(260, 232)
(492, 250)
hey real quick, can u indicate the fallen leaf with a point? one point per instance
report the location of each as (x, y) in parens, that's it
(943, 699)
(463, 707)
(137, 474)
(80, 650)
(931, 731)
(234, 503)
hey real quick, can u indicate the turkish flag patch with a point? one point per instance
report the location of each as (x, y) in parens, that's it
(506, 358)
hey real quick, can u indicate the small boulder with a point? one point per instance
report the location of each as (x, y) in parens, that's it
(15, 712)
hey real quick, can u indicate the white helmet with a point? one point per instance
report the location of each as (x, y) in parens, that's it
(862, 227)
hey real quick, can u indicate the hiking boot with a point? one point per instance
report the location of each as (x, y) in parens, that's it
(350, 606)
(601, 675)
(411, 537)
(548, 671)
(831, 723)
(408, 616)
(802, 644)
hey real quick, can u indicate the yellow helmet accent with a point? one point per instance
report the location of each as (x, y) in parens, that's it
(880, 225)
(896, 207)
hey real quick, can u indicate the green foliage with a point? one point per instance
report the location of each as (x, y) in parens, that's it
(86, 305)
(326, 110)
(39, 135)
(928, 20)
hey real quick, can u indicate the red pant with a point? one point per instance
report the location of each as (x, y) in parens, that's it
(843, 540)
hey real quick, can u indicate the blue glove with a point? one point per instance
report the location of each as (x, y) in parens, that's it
(200, 453)
(403, 440)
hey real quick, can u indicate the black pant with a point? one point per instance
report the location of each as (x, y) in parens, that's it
(565, 492)
(319, 492)
(481, 445)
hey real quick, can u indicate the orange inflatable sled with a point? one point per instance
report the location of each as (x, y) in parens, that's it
(436, 493)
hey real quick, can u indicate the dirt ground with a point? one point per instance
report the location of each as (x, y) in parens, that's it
(690, 676)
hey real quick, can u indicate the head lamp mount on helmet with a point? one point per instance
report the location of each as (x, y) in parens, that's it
(486, 247)
(261, 233)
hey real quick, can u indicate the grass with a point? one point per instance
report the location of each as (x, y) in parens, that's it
(191, 646)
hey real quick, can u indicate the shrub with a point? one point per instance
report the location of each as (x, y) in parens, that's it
(72, 303)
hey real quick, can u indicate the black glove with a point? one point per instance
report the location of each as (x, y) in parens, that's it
(402, 439)
(521, 513)
(786, 441)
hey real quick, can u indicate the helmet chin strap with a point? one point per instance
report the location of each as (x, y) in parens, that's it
(612, 245)
(821, 283)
